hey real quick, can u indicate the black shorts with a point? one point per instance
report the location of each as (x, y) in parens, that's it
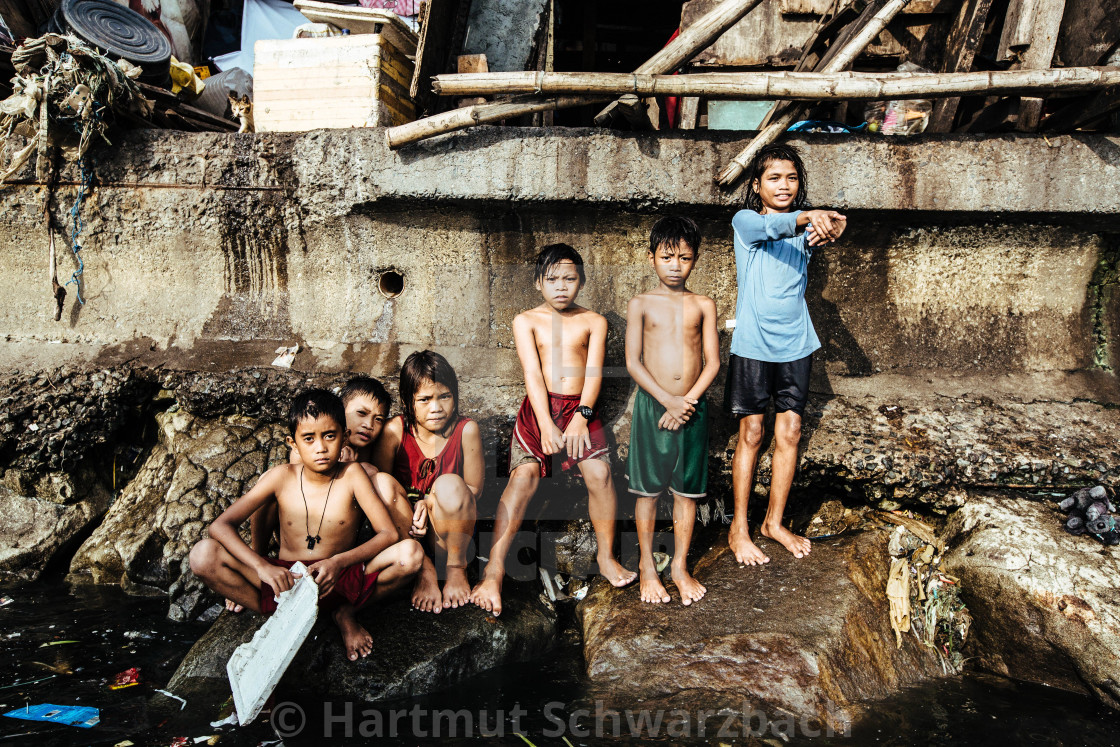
(751, 384)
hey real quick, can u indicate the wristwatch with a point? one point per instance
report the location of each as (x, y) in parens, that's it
(586, 412)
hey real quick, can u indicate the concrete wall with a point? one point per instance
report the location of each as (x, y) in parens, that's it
(964, 255)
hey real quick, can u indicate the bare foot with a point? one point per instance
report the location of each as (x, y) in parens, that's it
(426, 596)
(355, 638)
(691, 590)
(613, 571)
(456, 589)
(746, 552)
(651, 587)
(233, 606)
(488, 595)
(797, 545)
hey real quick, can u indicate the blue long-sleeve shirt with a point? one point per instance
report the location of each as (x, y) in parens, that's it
(771, 317)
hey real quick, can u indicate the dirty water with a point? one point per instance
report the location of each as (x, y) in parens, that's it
(112, 632)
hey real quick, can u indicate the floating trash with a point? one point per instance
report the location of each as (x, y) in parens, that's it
(80, 716)
(127, 678)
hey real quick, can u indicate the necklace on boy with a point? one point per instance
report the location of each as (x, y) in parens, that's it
(312, 541)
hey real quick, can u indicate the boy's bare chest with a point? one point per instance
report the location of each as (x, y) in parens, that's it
(304, 511)
(569, 341)
(672, 318)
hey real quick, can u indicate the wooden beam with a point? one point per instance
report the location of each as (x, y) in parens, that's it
(676, 53)
(1090, 29)
(1040, 54)
(860, 36)
(433, 50)
(690, 108)
(1018, 23)
(960, 51)
(472, 63)
(689, 42)
(764, 86)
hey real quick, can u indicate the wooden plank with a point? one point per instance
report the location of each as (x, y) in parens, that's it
(437, 22)
(362, 21)
(960, 51)
(824, 7)
(1018, 24)
(472, 63)
(1090, 29)
(766, 38)
(690, 109)
(1040, 54)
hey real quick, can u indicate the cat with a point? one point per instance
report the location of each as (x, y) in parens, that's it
(242, 109)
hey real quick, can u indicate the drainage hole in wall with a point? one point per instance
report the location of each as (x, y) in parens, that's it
(390, 284)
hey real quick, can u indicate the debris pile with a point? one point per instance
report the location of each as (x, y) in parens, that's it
(66, 94)
(1090, 511)
(924, 600)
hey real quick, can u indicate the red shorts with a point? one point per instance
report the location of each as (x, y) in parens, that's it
(525, 444)
(354, 586)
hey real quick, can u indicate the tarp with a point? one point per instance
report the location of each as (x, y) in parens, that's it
(263, 19)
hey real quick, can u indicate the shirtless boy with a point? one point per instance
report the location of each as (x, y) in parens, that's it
(321, 503)
(672, 351)
(561, 347)
(367, 408)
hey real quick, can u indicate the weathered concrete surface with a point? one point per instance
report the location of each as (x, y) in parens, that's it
(1045, 605)
(203, 239)
(414, 653)
(809, 637)
(194, 472)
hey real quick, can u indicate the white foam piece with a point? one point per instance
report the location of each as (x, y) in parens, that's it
(256, 666)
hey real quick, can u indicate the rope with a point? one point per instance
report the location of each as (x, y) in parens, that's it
(76, 227)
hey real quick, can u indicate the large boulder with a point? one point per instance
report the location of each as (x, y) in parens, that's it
(198, 467)
(1045, 605)
(809, 636)
(414, 652)
(46, 520)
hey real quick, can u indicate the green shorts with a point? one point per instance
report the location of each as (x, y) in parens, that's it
(660, 459)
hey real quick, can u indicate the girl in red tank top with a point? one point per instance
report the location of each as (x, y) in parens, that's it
(436, 457)
(416, 471)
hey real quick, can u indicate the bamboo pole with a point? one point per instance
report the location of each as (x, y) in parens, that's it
(696, 37)
(680, 50)
(843, 58)
(458, 119)
(764, 86)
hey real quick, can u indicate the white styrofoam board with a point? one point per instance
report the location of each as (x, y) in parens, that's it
(255, 667)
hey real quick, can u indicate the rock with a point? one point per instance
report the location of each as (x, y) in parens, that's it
(36, 529)
(928, 453)
(1045, 604)
(808, 636)
(414, 653)
(145, 538)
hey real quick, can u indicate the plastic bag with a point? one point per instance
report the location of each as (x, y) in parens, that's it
(906, 117)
